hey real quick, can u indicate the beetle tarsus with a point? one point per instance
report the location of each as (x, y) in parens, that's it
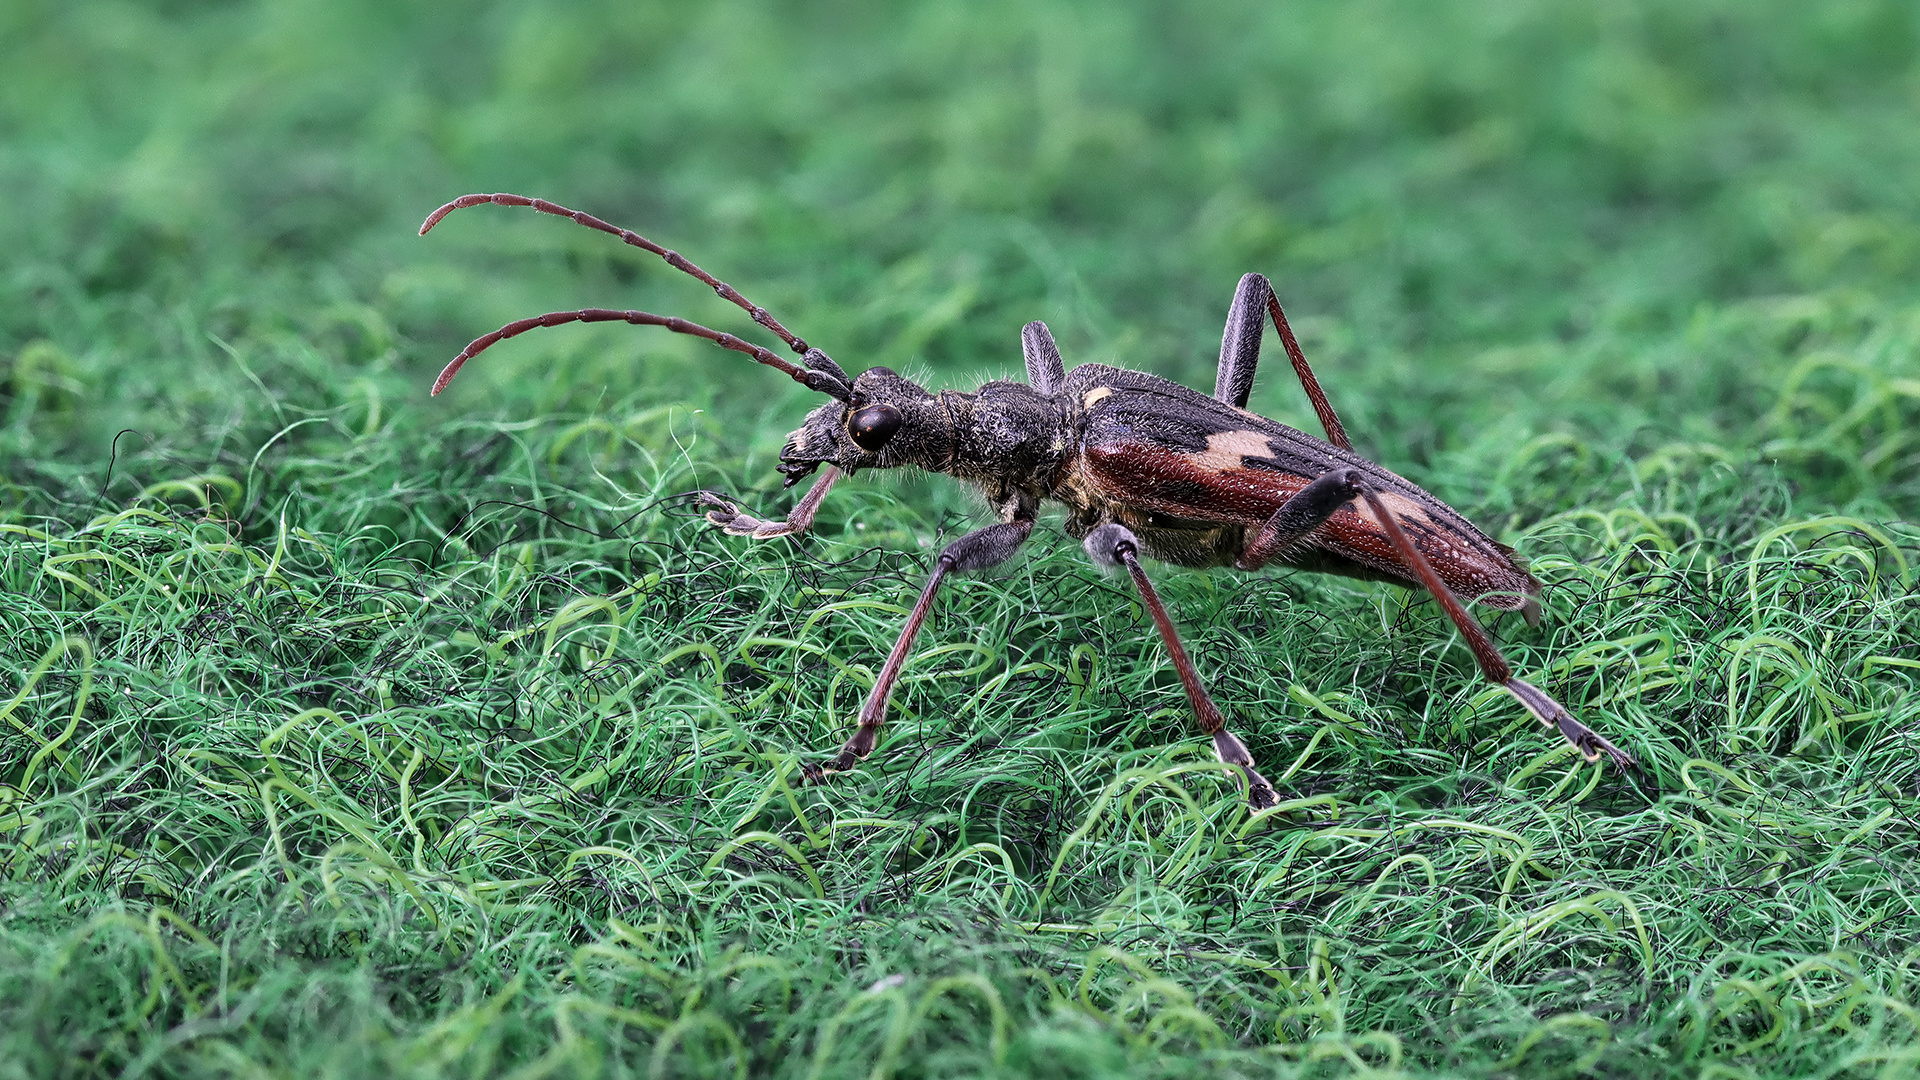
(729, 518)
(818, 772)
(1589, 742)
(1228, 748)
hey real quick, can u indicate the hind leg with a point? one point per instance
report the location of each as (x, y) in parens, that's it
(1493, 665)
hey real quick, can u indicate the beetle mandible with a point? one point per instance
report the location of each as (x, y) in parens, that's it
(1143, 465)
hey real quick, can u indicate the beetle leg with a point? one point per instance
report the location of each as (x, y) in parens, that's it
(1305, 511)
(1045, 369)
(1240, 354)
(1115, 545)
(977, 550)
(1492, 664)
(1240, 341)
(1329, 420)
(730, 519)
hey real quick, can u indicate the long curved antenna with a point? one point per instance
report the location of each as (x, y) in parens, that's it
(819, 373)
(823, 381)
(673, 258)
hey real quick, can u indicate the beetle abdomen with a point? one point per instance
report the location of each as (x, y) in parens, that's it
(1162, 458)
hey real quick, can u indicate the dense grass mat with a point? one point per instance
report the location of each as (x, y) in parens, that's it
(344, 732)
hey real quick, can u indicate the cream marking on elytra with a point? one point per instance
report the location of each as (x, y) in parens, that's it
(1408, 511)
(1231, 449)
(1094, 395)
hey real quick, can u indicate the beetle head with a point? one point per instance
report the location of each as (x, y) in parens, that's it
(887, 422)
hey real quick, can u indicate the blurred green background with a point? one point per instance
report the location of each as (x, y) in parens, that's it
(1635, 285)
(1491, 220)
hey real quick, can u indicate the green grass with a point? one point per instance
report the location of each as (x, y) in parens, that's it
(346, 730)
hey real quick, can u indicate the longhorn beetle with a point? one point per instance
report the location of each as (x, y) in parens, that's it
(1144, 466)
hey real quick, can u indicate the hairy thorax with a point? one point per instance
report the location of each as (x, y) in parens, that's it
(1010, 441)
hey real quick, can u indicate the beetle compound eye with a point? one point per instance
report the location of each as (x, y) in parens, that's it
(872, 426)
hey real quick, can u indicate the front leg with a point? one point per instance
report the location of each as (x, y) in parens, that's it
(977, 550)
(1115, 545)
(730, 519)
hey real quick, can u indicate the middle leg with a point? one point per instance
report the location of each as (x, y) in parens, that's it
(1115, 546)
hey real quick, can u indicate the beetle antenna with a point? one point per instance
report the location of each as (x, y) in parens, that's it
(828, 379)
(673, 258)
(817, 370)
